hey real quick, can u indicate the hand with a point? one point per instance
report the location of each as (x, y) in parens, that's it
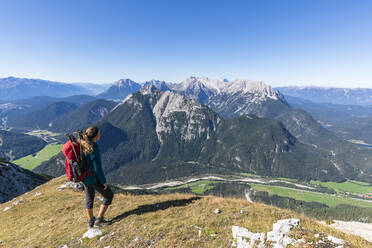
(105, 186)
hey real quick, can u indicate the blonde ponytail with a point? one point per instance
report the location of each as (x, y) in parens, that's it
(85, 139)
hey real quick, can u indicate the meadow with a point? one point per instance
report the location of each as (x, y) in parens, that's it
(329, 200)
(32, 161)
(348, 186)
(199, 187)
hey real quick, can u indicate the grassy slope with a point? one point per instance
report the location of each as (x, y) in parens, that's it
(56, 218)
(311, 196)
(29, 162)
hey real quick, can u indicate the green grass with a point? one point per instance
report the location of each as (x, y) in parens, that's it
(308, 196)
(31, 162)
(191, 162)
(198, 187)
(42, 133)
(348, 186)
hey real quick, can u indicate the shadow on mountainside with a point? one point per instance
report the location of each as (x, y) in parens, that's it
(155, 207)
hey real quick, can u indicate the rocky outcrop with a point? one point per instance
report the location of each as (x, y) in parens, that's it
(15, 181)
(72, 185)
(279, 237)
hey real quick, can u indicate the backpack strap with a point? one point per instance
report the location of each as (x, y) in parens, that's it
(72, 144)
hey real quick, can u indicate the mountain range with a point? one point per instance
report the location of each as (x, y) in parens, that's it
(12, 88)
(351, 122)
(82, 117)
(47, 113)
(165, 131)
(235, 98)
(229, 100)
(243, 97)
(345, 96)
(153, 136)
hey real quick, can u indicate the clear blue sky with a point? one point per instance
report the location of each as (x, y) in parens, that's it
(298, 42)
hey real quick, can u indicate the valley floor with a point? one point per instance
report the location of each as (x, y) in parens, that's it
(289, 188)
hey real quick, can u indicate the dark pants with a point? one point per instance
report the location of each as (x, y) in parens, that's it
(90, 191)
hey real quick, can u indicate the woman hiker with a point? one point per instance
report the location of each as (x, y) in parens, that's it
(95, 181)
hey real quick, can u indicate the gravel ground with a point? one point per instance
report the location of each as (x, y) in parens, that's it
(363, 230)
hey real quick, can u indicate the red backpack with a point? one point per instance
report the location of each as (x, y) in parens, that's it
(75, 160)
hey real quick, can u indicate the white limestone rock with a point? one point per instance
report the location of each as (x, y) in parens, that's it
(280, 229)
(217, 211)
(199, 230)
(284, 226)
(72, 185)
(92, 233)
(16, 202)
(274, 236)
(7, 208)
(243, 238)
(62, 187)
(335, 240)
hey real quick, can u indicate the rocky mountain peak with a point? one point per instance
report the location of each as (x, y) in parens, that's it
(148, 89)
(204, 83)
(124, 82)
(120, 89)
(253, 87)
(161, 85)
(234, 98)
(223, 86)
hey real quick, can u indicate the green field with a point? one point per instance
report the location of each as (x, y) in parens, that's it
(44, 132)
(198, 187)
(31, 162)
(348, 186)
(191, 162)
(308, 196)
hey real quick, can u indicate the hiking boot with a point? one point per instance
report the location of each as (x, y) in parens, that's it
(100, 221)
(91, 222)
